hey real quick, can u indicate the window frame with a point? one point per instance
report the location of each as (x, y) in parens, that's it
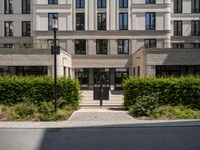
(80, 4)
(80, 49)
(195, 28)
(101, 25)
(53, 2)
(27, 4)
(122, 51)
(123, 3)
(150, 43)
(178, 32)
(8, 9)
(101, 3)
(123, 26)
(10, 32)
(150, 24)
(179, 6)
(150, 1)
(195, 8)
(27, 24)
(53, 17)
(100, 47)
(81, 25)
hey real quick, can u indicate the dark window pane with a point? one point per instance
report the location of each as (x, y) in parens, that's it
(123, 21)
(80, 21)
(101, 46)
(150, 21)
(80, 46)
(101, 21)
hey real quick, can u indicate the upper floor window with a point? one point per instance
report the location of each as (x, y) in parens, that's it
(51, 16)
(195, 28)
(8, 6)
(101, 3)
(150, 1)
(8, 45)
(150, 20)
(80, 3)
(52, 1)
(80, 21)
(177, 28)
(195, 6)
(80, 46)
(123, 3)
(101, 21)
(178, 4)
(123, 46)
(8, 28)
(150, 43)
(102, 46)
(26, 28)
(123, 21)
(26, 7)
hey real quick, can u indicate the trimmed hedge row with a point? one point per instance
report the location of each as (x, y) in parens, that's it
(38, 89)
(173, 91)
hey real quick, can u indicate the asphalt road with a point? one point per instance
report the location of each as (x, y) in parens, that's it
(103, 138)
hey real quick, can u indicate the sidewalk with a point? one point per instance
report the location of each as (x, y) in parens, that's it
(99, 118)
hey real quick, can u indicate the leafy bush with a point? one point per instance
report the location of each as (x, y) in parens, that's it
(24, 111)
(145, 105)
(42, 112)
(172, 91)
(35, 90)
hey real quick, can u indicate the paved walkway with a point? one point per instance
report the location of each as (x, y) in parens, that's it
(104, 115)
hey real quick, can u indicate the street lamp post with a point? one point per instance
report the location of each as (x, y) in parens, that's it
(54, 51)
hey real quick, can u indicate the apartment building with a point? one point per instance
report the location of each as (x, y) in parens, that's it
(101, 40)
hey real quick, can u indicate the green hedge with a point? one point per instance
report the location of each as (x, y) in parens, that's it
(173, 91)
(38, 89)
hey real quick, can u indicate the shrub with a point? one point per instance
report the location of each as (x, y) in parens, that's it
(172, 91)
(35, 90)
(145, 105)
(24, 111)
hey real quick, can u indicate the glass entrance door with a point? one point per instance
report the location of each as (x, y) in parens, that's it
(101, 84)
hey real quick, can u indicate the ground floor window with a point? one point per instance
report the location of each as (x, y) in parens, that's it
(120, 76)
(24, 70)
(83, 76)
(177, 70)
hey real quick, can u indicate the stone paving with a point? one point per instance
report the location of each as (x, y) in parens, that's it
(104, 115)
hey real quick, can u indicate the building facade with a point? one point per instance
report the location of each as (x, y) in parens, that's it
(114, 38)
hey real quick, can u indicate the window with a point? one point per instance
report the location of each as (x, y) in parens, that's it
(150, 1)
(9, 45)
(123, 21)
(102, 46)
(101, 21)
(195, 6)
(80, 46)
(50, 42)
(123, 3)
(80, 21)
(51, 16)
(178, 6)
(177, 28)
(123, 46)
(8, 28)
(195, 28)
(52, 1)
(83, 76)
(150, 20)
(80, 3)
(178, 45)
(24, 70)
(8, 6)
(120, 75)
(101, 3)
(26, 28)
(26, 7)
(150, 43)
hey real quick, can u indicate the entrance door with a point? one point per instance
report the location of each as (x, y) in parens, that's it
(101, 84)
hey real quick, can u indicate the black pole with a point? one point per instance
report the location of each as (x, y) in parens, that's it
(55, 71)
(101, 98)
